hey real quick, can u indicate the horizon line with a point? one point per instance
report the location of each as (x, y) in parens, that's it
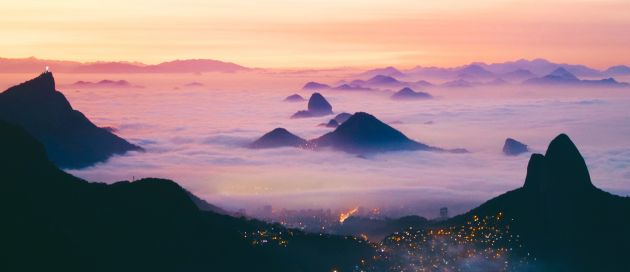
(341, 67)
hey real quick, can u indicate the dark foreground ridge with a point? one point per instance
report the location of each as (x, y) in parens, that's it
(70, 139)
(562, 217)
(53, 221)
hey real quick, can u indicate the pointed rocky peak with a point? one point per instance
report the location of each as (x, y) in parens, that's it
(317, 104)
(71, 140)
(565, 165)
(44, 83)
(560, 72)
(535, 172)
(362, 133)
(366, 124)
(561, 170)
(278, 137)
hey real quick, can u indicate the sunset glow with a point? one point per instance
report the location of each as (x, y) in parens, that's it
(315, 135)
(323, 33)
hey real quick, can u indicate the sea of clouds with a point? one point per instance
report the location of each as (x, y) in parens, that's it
(196, 136)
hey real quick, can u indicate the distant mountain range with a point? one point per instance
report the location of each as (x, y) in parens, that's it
(561, 76)
(479, 73)
(53, 221)
(561, 216)
(105, 83)
(71, 140)
(30, 65)
(537, 67)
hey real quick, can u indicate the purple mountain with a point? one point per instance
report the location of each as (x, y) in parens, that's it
(363, 133)
(278, 137)
(383, 80)
(409, 94)
(513, 147)
(294, 98)
(561, 76)
(317, 106)
(387, 71)
(315, 86)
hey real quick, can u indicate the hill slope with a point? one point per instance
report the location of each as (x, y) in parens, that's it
(71, 140)
(53, 221)
(562, 217)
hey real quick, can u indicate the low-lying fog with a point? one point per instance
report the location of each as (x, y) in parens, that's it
(195, 136)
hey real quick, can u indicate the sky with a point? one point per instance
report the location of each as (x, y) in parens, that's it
(319, 33)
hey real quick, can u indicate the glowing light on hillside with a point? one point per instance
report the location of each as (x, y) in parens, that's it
(344, 216)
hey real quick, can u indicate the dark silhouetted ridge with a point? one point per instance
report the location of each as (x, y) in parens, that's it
(565, 166)
(364, 133)
(71, 140)
(52, 221)
(562, 218)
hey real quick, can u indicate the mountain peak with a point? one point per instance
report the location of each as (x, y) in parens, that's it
(278, 137)
(409, 94)
(383, 79)
(563, 73)
(71, 140)
(315, 86)
(363, 132)
(562, 169)
(318, 104)
(45, 82)
(565, 164)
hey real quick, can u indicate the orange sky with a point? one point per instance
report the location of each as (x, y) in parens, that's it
(319, 33)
